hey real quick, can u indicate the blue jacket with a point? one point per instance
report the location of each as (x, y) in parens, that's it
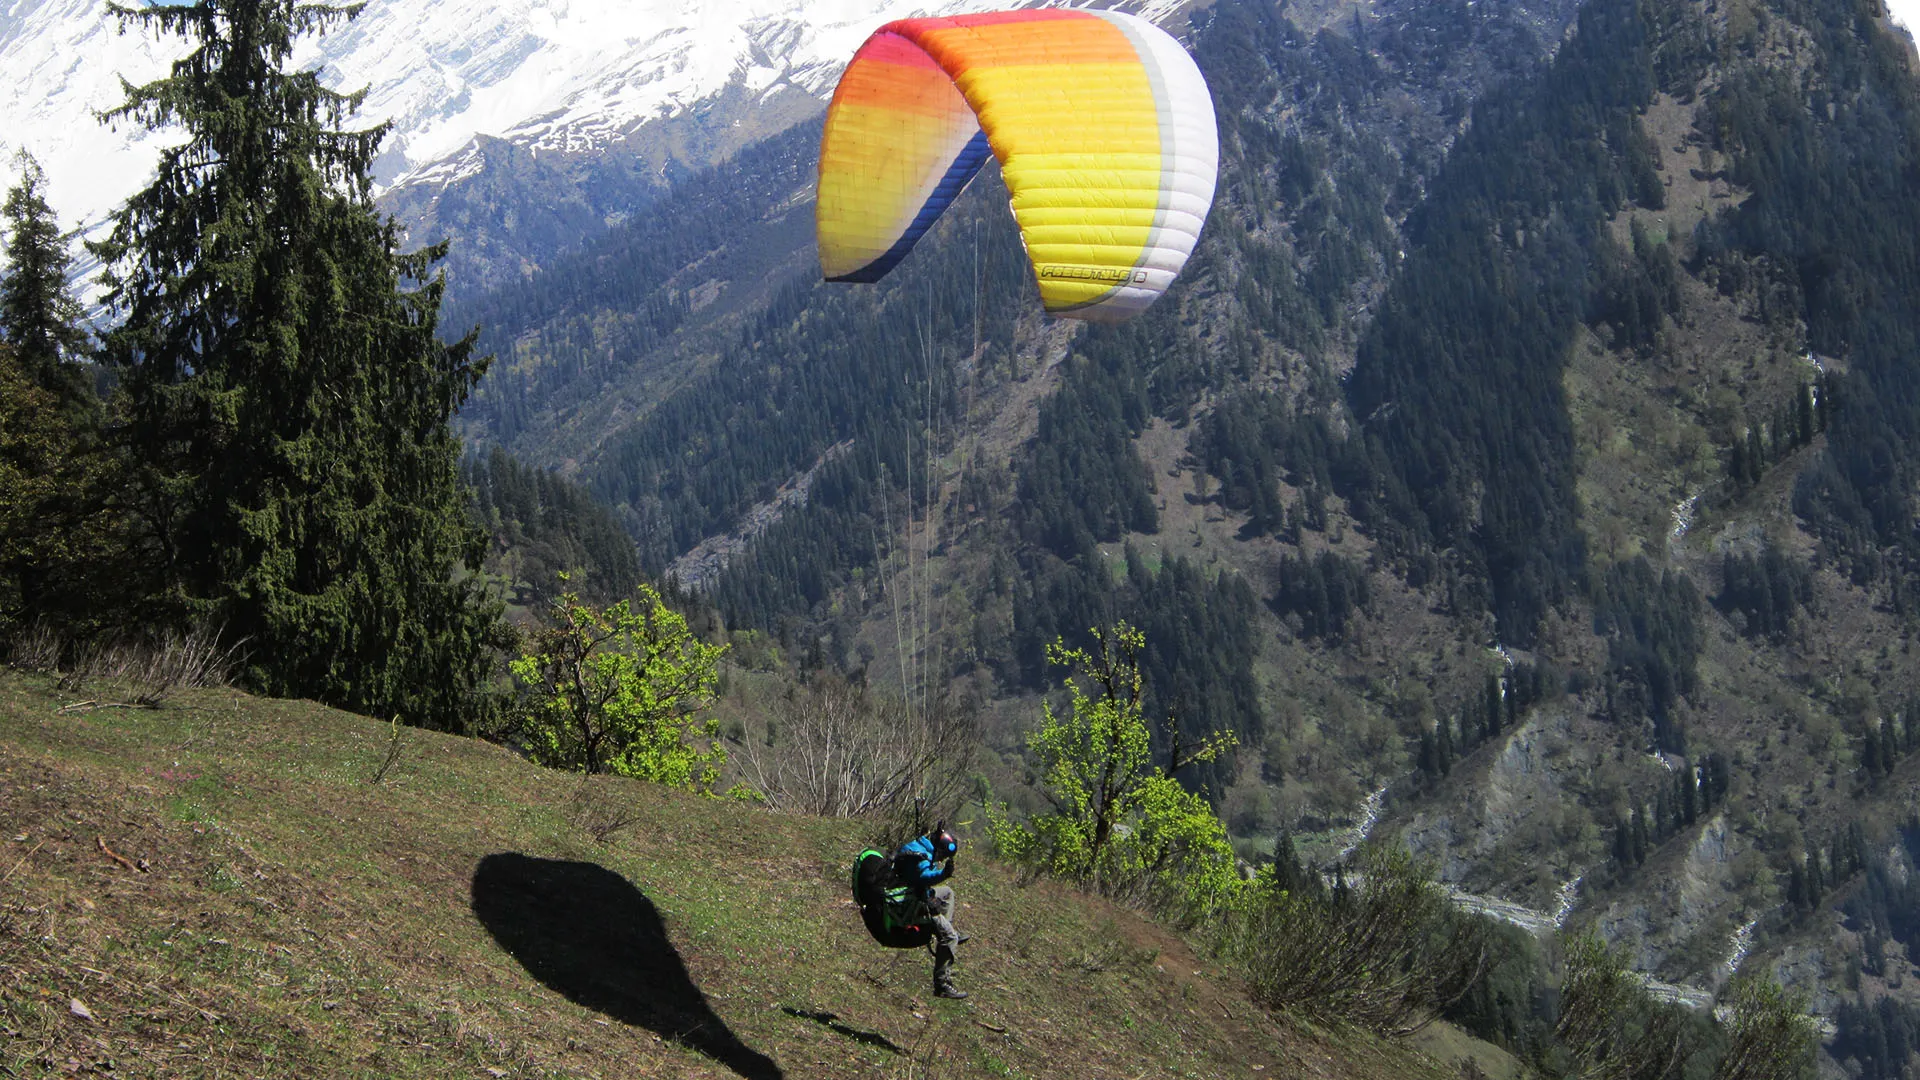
(913, 865)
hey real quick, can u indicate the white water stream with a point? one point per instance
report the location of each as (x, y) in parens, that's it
(1369, 815)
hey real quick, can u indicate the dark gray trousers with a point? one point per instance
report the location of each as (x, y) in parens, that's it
(939, 907)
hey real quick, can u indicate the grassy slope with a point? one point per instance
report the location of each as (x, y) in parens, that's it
(459, 919)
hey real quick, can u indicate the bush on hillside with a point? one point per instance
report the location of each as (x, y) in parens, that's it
(617, 689)
(1617, 1030)
(1383, 948)
(1121, 823)
(1770, 1035)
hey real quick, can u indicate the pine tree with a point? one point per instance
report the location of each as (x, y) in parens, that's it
(63, 557)
(38, 315)
(29, 481)
(59, 536)
(285, 392)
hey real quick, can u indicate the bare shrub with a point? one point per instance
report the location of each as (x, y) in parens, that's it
(176, 661)
(1383, 949)
(1611, 1025)
(35, 648)
(841, 751)
(155, 667)
(90, 659)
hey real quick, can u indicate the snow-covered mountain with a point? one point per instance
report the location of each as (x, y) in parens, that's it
(569, 75)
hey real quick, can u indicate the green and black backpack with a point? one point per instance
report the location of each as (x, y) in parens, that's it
(886, 906)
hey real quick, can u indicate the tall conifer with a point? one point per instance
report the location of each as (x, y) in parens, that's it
(38, 315)
(29, 481)
(286, 394)
(63, 556)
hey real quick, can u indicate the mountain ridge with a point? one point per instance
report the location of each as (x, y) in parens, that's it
(570, 78)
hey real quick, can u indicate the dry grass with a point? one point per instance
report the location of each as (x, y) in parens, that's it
(153, 668)
(35, 648)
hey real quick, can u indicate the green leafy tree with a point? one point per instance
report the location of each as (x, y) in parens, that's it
(1120, 822)
(286, 394)
(617, 689)
(38, 315)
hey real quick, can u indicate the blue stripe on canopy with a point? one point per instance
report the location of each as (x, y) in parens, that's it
(965, 164)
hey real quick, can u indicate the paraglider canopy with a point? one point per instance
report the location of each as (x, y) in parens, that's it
(1102, 125)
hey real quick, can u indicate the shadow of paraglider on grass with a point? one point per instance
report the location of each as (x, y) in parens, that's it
(589, 934)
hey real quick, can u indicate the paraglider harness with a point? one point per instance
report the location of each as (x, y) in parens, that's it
(889, 908)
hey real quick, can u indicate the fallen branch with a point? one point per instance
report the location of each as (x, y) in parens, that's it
(92, 705)
(990, 1027)
(117, 857)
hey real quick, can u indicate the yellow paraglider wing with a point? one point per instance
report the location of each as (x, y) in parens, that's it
(1102, 124)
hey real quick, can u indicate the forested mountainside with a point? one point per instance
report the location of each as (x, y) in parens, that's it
(539, 525)
(1523, 466)
(516, 206)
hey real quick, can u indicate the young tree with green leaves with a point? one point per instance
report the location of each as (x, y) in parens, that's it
(1120, 822)
(39, 316)
(1612, 1026)
(286, 396)
(618, 689)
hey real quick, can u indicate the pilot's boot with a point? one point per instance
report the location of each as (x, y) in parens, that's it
(943, 975)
